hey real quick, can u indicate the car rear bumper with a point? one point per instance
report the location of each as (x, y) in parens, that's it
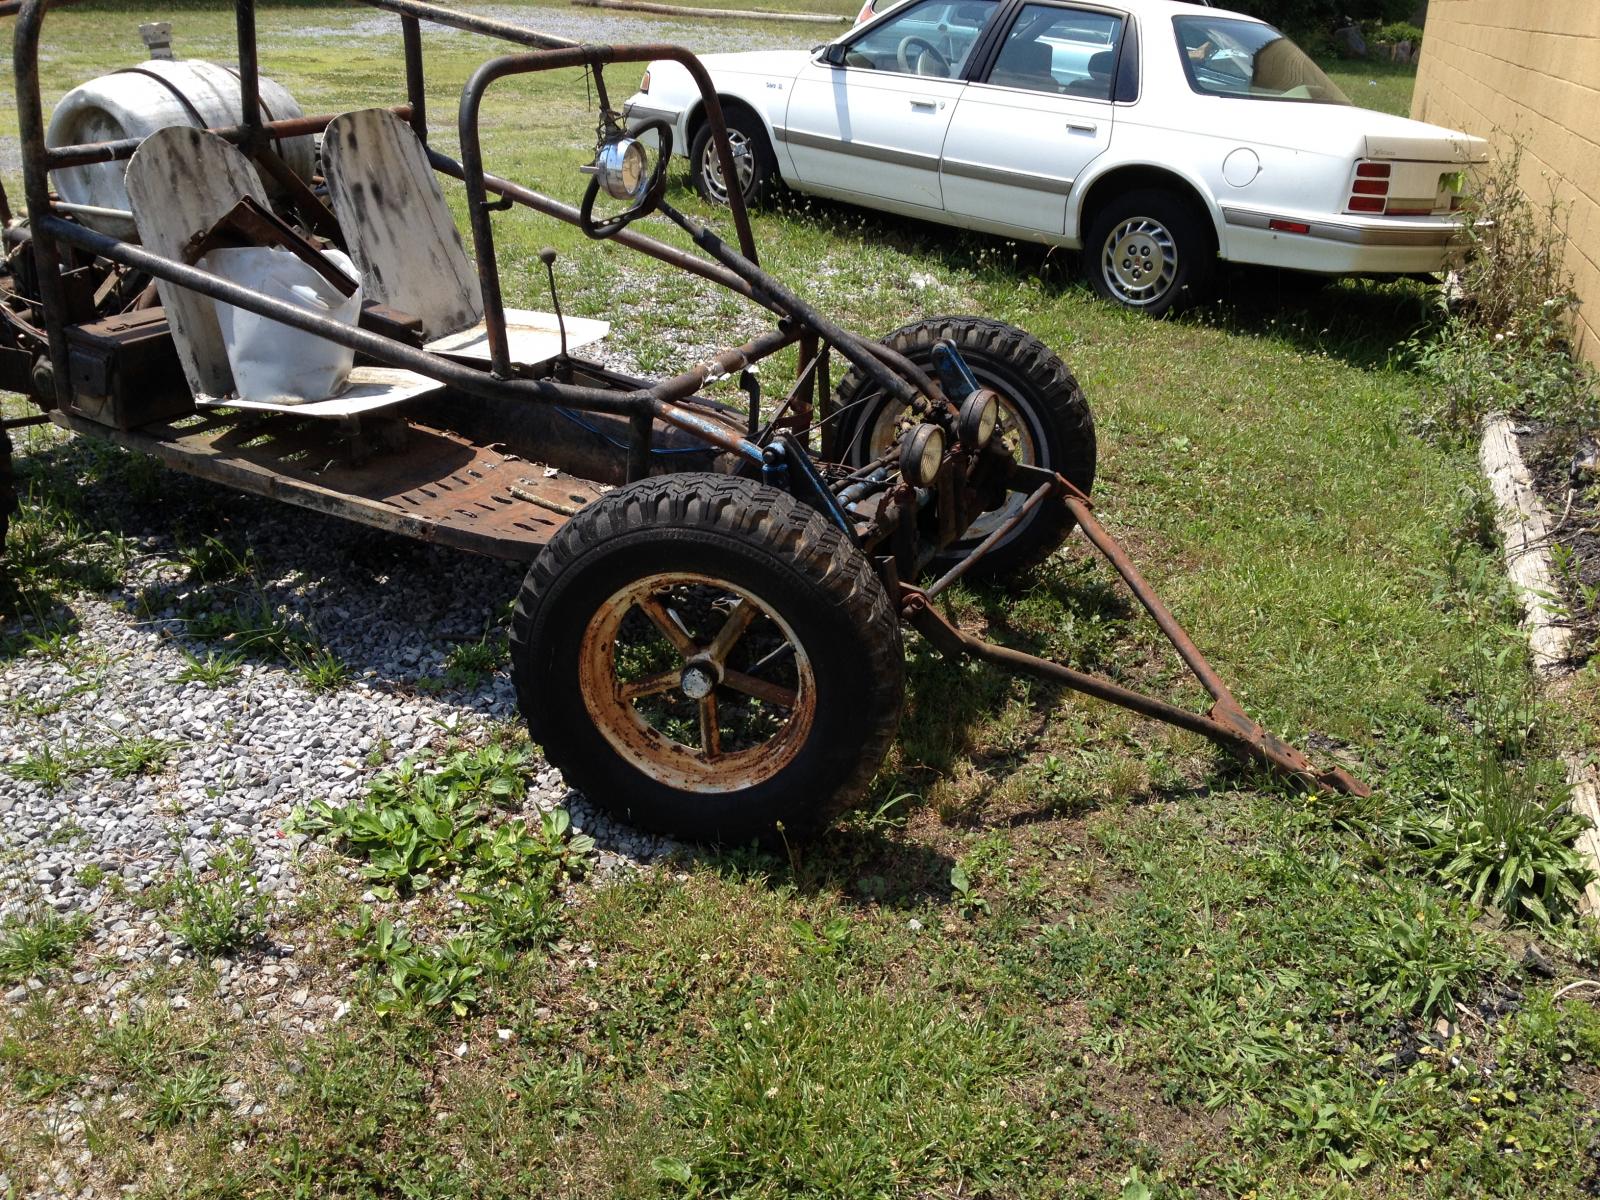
(1368, 245)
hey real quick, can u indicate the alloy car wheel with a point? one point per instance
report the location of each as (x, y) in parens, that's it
(1140, 262)
(1150, 250)
(754, 166)
(711, 166)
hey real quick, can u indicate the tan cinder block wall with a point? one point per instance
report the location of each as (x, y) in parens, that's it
(1528, 69)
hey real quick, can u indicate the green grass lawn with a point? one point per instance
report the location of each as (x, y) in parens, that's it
(1062, 951)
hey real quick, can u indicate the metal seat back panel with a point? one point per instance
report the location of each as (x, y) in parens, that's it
(181, 181)
(396, 223)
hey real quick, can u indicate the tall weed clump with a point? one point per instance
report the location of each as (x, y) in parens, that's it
(1505, 344)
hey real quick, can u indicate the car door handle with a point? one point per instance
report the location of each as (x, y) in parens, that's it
(1082, 127)
(923, 105)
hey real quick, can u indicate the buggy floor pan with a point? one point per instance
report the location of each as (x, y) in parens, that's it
(437, 486)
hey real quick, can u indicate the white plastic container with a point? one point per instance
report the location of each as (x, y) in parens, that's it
(273, 363)
(134, 103)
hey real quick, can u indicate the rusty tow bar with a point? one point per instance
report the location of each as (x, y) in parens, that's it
(1226, 724)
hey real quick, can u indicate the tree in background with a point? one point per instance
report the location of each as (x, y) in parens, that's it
(1319, 18)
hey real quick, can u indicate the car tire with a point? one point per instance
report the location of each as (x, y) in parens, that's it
(636, 592)
(754, 161)
(1044, 414)
(1149, 250)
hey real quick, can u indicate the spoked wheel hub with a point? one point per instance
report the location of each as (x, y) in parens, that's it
(1140, 261)
(696, 682)
(705, 656)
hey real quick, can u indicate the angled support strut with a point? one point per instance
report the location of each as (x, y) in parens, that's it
(1226, 724)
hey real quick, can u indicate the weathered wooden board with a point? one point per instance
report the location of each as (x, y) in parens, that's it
(1525, 525)
(396, 224)
(180, 182)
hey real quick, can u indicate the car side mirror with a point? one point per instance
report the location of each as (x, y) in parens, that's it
(833, 54)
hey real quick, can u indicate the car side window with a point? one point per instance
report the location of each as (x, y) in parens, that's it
(930, 38)
(1062, 51)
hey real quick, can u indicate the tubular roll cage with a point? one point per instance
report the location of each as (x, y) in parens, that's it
(735, 269)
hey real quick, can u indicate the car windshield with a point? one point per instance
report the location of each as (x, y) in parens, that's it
(1225, 57)
(930, 38)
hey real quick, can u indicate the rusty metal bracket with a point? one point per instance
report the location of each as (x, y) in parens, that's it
(1226, 723)
(248, 223)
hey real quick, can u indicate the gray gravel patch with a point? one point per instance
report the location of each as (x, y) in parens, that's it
(244, 754)
(703, 36)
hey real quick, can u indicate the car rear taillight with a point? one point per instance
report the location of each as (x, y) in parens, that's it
(865, 13)
(644, 84)
(1370, 191)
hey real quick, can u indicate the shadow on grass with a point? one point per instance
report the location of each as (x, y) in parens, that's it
(860, 860)
(240, 573)
(246, 576)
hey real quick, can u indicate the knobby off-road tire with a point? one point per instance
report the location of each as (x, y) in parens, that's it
(612, 645)
(754, 160)
(1045, 419)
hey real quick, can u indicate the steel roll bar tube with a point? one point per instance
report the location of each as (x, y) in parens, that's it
(244, 20)
(772, 297)
(656, 401)
(631, 238)
(471, 23)
(874, 358)
(416, 89)
(478, 210)
(36, 189)
(292, 127)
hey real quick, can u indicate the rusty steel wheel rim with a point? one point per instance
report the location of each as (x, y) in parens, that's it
(697, 683)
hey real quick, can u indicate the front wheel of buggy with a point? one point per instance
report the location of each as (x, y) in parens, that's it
(1044, 421)
(706, 657)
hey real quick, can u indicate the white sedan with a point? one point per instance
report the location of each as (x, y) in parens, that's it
(1156, 136)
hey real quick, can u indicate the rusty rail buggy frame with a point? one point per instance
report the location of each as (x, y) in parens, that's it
(777, 450)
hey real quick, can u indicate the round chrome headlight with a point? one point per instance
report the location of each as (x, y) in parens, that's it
(921, 455)
(620, 167)
(980, 413)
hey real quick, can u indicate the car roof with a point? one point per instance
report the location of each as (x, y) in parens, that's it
(1175, 8)
(1155, 9)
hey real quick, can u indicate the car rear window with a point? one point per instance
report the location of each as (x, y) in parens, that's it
(1223, 57)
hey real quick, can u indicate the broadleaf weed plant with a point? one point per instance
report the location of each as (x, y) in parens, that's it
(427, 820)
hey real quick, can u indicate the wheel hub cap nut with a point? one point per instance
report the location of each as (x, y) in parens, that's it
(698, 678)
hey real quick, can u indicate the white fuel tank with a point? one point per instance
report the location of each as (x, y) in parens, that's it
(137, 101)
